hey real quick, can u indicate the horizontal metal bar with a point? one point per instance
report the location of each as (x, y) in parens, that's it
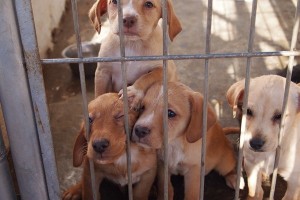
(170, 57)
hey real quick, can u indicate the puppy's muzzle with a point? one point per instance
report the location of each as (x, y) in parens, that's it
(100, 146)
(141, 131)
(257, 143)
(129, 22)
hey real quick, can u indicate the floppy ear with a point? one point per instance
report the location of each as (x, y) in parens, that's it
(98, 9)
(194, 128)
(235, 95)
(173, 22)
(80, 148)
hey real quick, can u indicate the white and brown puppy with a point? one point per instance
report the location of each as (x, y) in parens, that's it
(107, 149)
(142, 37)
(184, 136)
(264, 113)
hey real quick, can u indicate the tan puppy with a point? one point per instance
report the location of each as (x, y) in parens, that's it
(264, 113)
(184, 136)
(142, 37)
(107, 148)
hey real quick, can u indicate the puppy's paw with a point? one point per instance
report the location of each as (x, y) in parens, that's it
(73, 193)
(134, 96)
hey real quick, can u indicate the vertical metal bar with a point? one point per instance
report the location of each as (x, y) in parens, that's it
(126, 118)
(17, 107)
(6, 183)
(38, 96)
(205, 97)
(285, 100)
(245, 99)
(165, 99)
(83, 91)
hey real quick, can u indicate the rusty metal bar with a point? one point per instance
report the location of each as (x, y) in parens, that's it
(83, 91)
(285, 100)
(245, 99)
(125, 96)
(165, 99)
(36, 84)
(18, 107)
(205, 97)
(172, 57)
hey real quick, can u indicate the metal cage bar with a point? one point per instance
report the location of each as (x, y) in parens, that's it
(285, 100)
(245, 99)
(125, 97)
(36, 84)
(172, 57)
(19, 107)
(83, 91)
(205, 97)
(165, 100)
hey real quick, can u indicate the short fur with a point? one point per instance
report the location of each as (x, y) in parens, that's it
(264, 113)
(142, 37)
(107, 115)
(184, 136)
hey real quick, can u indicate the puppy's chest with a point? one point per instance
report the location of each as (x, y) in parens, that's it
(118, 172)
(176, 159)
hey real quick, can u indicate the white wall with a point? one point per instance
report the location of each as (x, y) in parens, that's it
(47, 14)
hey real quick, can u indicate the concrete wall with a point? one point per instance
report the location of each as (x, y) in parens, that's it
(47, 15)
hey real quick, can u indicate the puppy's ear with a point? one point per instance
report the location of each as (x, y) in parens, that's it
(80, 148)
(194, 128)
(235, 95)
(98, 9)
(173, 22)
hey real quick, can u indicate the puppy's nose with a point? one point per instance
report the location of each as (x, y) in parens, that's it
(128, 22)
(141, 131)
(100, 145)
(257, 143)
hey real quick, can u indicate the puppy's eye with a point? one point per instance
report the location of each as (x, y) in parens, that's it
(119, 116)
(114, 1)
(91, 120)
(148, 4)
(249, 112)
(277, 117)
(171, 113)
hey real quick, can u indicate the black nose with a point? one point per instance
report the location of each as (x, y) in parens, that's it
(100, 145)
(141, 131)
(257, 143)
(128, 22)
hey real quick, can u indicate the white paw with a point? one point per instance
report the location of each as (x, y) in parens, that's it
(134, 96)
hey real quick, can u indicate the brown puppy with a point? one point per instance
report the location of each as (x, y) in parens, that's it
(107, 149)
(142, 37)
(184, 136)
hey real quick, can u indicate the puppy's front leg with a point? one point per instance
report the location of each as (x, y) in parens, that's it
(160, 183)
(103, 81)
(254, 181)
(87, 191)
(142, 189)
(192, 184)
(293, 187)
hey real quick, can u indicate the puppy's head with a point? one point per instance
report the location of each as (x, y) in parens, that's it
(140, 17)
(107, 133)
(184, 115)
(264, 111)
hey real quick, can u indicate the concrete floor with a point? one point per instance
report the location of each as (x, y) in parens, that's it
(230, 30)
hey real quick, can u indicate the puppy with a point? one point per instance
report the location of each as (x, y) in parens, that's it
(184, 136)
(107, 149)
(264, 113)
(142, 37)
